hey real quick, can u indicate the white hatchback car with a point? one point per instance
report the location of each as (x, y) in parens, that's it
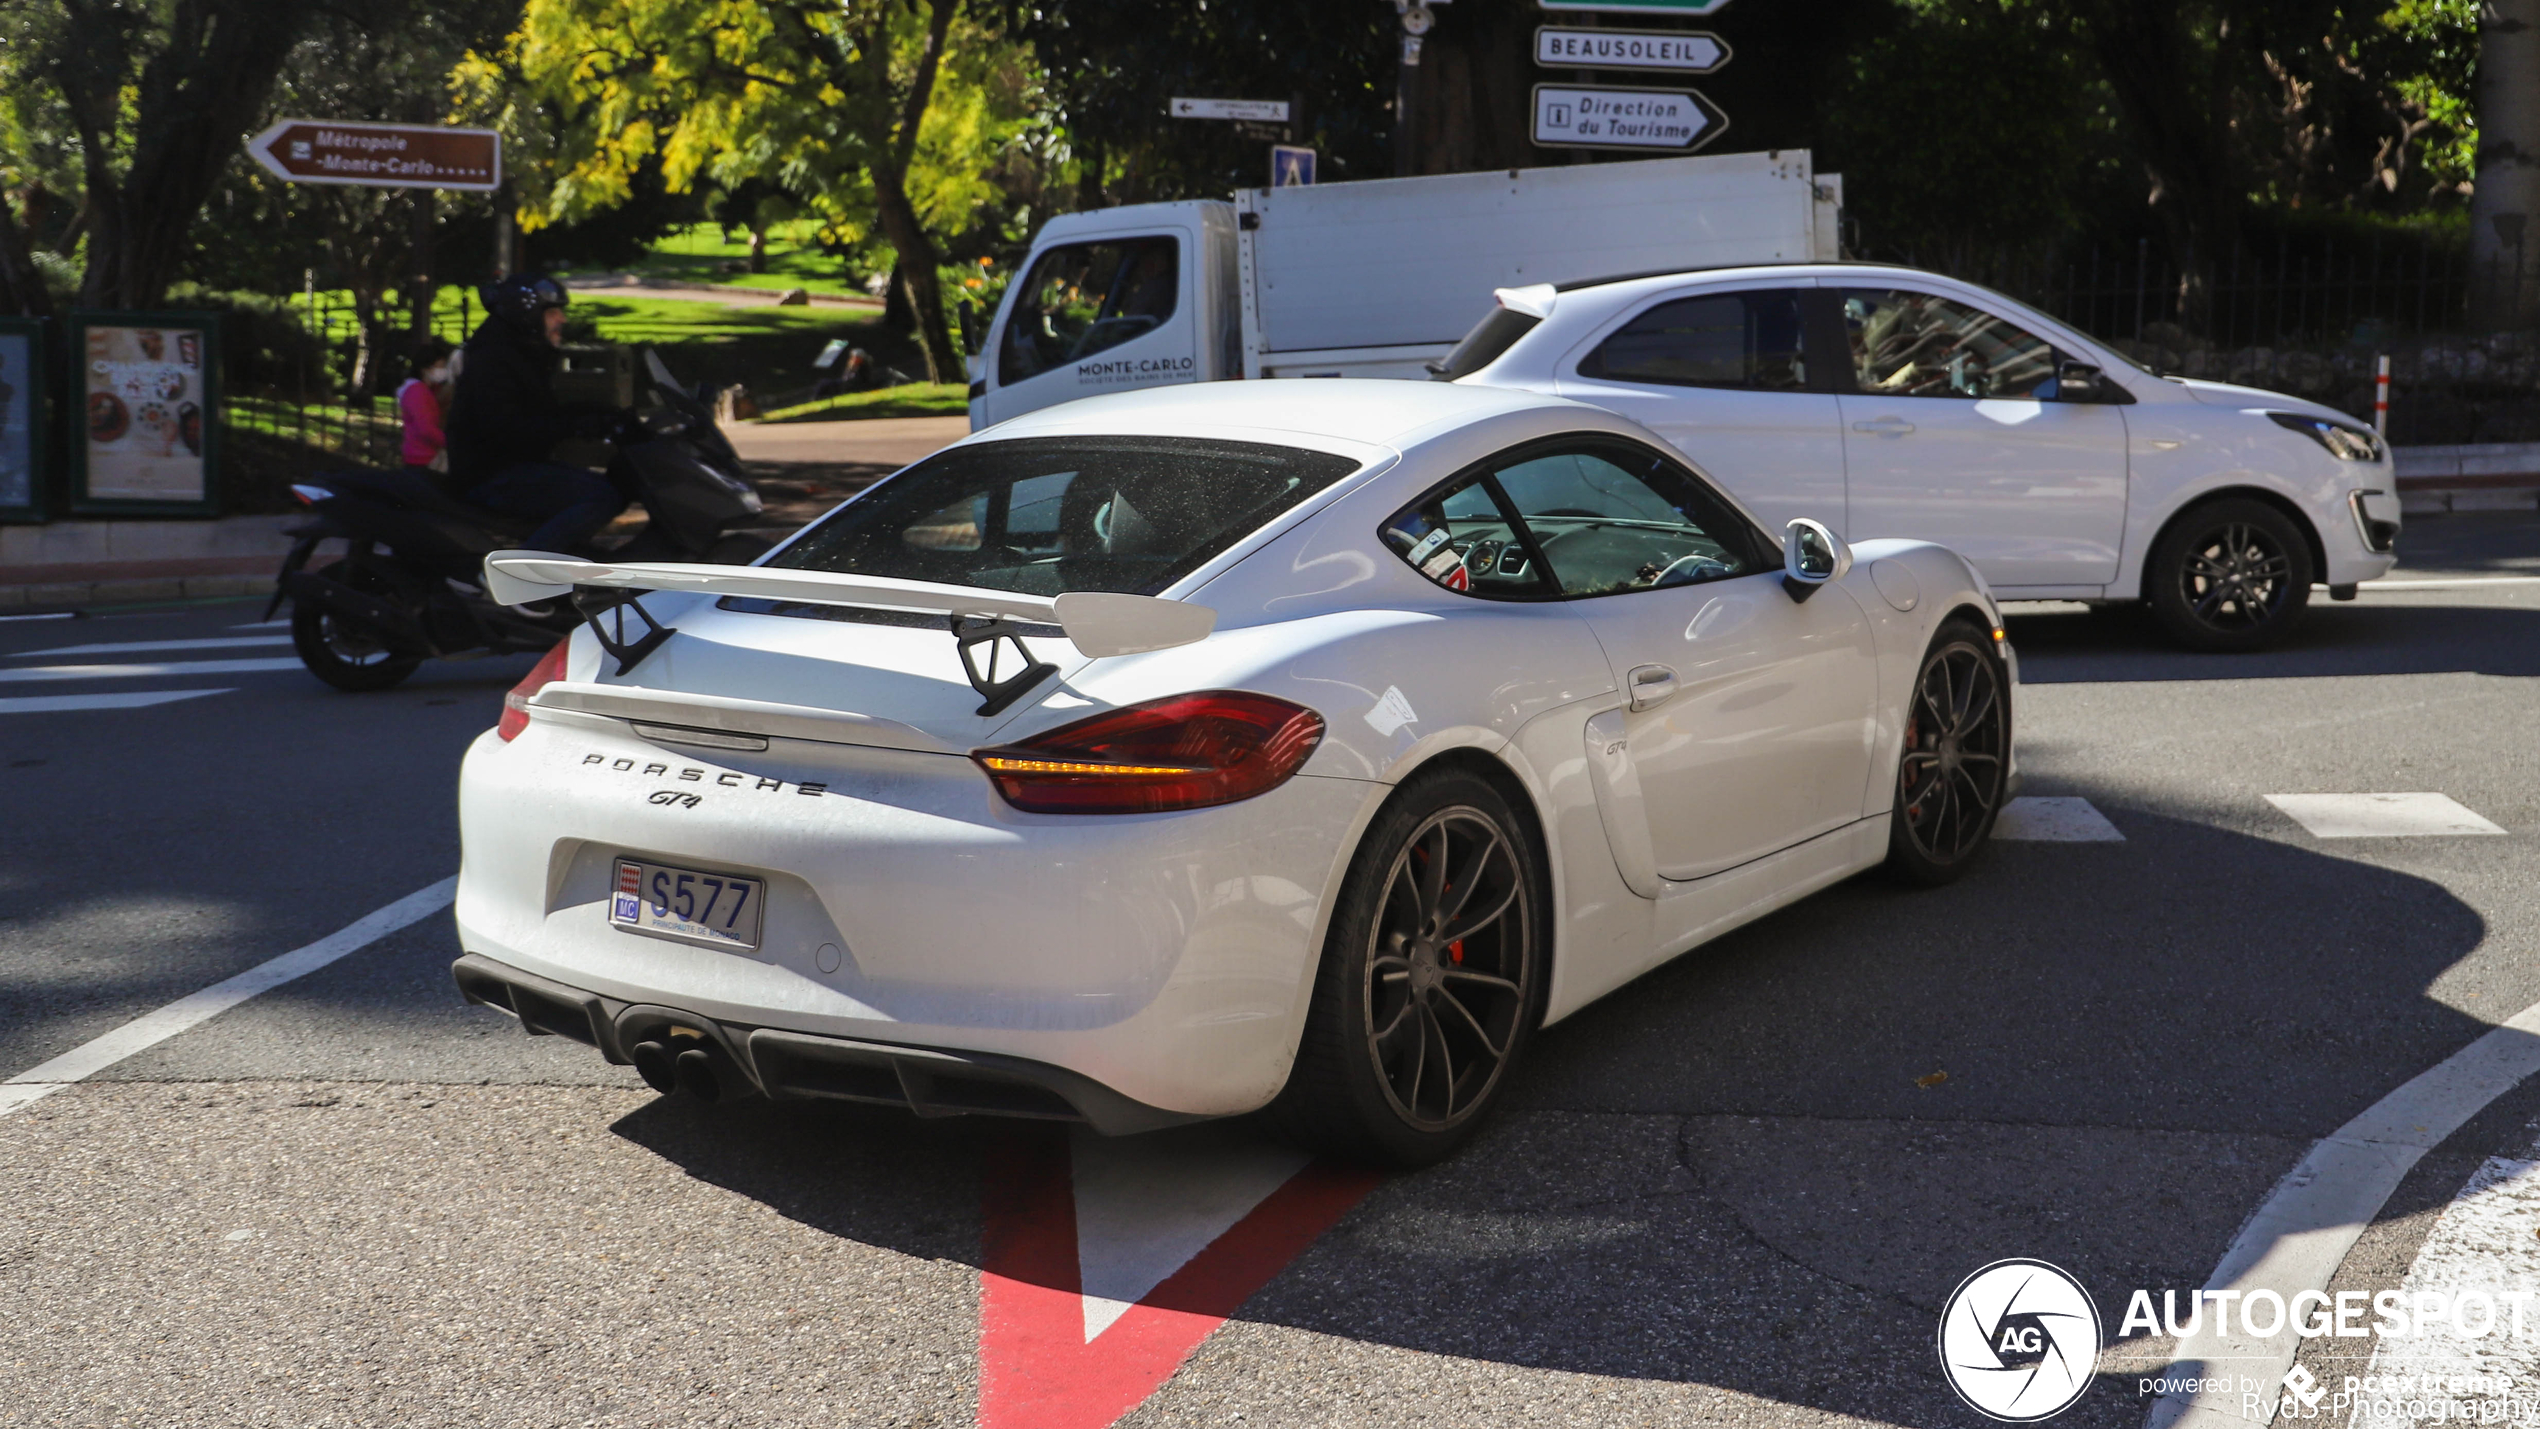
(1157, 756)
(1893, 402)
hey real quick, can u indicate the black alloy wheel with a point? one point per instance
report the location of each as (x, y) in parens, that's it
(344, 652)
(1431, 980)
(1950, 778)
(2229, 576)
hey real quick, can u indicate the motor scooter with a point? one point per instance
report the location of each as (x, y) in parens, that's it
(409, 587)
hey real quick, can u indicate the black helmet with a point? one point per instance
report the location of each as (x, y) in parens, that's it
(523, 299)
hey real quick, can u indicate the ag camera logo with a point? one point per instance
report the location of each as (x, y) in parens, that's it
(2019, 1341)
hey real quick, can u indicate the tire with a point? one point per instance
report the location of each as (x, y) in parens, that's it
(1951, 770)
(343, 653)
(2230, 575)
(1411, 1035)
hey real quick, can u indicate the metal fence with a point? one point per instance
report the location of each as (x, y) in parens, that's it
(2310, 323)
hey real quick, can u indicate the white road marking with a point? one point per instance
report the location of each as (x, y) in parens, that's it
(2381, 816)
(222, 642)
(48, 615)
(59, 704)
(148, 1030)
(2300, 1234)
(1146, 1204)
(2054, 819)
(284, 623)
(134, 672)
(2483, 1244)
(2457, 583)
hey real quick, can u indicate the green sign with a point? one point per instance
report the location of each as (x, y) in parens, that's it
(1638, 7)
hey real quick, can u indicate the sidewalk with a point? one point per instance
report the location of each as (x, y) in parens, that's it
(802, 469)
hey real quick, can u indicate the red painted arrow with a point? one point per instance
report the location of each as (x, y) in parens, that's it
(1036, 1368)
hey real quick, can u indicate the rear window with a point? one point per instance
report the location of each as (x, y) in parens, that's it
(1045, 516)
(1494, 334)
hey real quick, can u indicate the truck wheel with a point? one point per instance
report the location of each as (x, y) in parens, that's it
(1431, 981)
(345, 653)
(2230, 575)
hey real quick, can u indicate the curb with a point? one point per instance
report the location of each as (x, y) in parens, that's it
(71, 595)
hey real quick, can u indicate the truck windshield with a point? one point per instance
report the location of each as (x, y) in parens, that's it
(1049, 515)
(1084, 297)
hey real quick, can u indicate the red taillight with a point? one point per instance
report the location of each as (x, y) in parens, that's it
(1185, 752)
(548, 670)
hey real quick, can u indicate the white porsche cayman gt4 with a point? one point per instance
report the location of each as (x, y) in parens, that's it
(1298, 745)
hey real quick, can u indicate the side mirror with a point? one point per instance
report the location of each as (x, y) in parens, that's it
(1811, 556)
(2077, 381)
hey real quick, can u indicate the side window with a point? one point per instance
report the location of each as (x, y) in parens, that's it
(1907, 344)
(1084, 297)
(1462, 538)
(1615, 518)
(1748, 340)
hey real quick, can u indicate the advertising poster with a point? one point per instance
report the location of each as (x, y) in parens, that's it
(146, 412)
(21, 399)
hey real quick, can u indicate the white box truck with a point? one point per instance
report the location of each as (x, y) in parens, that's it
(1372, 279)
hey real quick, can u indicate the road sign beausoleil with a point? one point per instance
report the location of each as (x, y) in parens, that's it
(1692, 51)
(387, 156)
(1637, 7)
(1273, 111)
(1673, 120)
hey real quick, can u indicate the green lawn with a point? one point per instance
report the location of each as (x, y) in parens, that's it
(698, 254)
(917, 399)
(768, 349)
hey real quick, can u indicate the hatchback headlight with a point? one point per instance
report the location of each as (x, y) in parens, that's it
(2342, 441)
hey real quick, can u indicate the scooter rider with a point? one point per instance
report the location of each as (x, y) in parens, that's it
(504, 421)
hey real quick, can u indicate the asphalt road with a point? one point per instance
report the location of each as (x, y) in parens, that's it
(1738, 1192)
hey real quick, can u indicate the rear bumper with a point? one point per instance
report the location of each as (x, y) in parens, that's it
(1164, 959)
(796, 1066)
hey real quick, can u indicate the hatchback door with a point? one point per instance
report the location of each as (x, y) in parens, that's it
(1952, 433)
(1751, 715)
(1729, 378)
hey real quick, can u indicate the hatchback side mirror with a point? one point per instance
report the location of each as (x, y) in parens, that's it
(1811, 556)
(2078, 381)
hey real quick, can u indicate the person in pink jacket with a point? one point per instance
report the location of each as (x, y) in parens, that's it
(420, 403)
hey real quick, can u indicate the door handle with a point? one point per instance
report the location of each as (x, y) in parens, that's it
(1651, 686)
(1885, 426)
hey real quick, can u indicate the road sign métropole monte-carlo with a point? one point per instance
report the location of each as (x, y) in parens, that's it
(387, 156)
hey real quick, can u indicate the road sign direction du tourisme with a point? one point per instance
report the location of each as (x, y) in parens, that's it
(1270, 111)
(1671, 120)
(384, 156)
(1687, 51)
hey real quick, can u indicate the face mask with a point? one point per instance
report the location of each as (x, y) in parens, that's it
(437, 374)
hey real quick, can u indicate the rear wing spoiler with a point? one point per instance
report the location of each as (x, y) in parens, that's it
(1097, 623)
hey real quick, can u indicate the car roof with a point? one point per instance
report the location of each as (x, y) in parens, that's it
(1377, 412)
(1576, 284)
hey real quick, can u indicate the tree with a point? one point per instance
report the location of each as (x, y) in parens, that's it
(833, 103)
(159, 94)
(2504, 226)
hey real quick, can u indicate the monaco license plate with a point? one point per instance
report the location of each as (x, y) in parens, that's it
(714, 910)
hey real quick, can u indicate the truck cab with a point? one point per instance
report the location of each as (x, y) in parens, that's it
(1115, 299)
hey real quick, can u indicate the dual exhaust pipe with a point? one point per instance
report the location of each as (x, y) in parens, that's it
(678, 1061)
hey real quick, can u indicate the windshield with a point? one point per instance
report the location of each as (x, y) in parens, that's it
(1050, 515)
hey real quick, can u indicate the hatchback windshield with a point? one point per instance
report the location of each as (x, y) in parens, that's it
(1049, 515)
